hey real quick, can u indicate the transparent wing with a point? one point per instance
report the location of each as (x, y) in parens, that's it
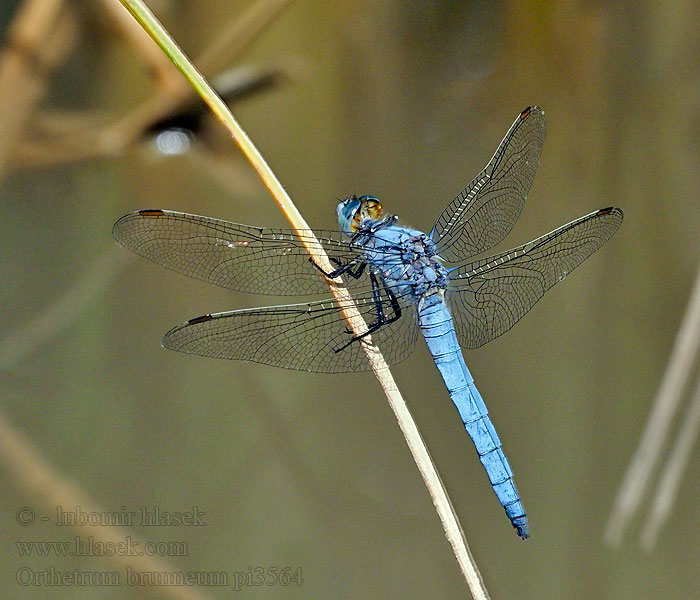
(304, 337)
(240, 257)
(489, 296)
(485, 211)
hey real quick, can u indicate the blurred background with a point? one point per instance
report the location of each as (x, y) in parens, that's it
(405, 101)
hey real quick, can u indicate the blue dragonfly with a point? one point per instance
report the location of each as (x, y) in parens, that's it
(396, 276)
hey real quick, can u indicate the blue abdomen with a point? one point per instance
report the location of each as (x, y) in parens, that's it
(438, 330)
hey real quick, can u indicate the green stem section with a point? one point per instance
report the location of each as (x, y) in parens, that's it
(160, 36)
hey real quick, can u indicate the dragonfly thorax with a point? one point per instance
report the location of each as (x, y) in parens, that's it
(422, 269)
(407, 261)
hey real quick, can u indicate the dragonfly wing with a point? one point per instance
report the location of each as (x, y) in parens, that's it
(240, 257)
(489, 296)
(485, 211)
(305, 337)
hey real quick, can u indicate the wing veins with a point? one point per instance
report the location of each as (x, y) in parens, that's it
(466, 226)
(489, 296)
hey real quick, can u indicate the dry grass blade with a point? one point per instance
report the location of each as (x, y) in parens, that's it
(448, 517)
(680, 366)
(672, 473)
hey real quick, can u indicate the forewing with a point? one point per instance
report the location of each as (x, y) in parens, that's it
(485, 211)
(240, 257)
(488, 297)
(305, 337)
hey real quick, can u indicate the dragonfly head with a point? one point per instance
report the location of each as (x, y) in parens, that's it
(353, 210)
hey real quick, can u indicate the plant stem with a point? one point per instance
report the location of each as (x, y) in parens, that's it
(437, 491)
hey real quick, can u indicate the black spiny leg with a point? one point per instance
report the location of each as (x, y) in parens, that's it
(382, 319)
(342, 269)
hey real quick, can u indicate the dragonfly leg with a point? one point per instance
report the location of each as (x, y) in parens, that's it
(342, 268)
(382, 319)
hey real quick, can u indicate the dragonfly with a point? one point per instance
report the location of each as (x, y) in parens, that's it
(401, 280)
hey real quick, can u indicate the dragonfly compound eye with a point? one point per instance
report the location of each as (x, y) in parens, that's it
(371, 208)
(347, 211)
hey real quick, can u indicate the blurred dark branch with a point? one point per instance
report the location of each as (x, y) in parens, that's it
(232, 85)
(72, 137)
(235, 37)
(172, 96)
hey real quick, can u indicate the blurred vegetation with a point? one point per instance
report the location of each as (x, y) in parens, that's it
(406, 101)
